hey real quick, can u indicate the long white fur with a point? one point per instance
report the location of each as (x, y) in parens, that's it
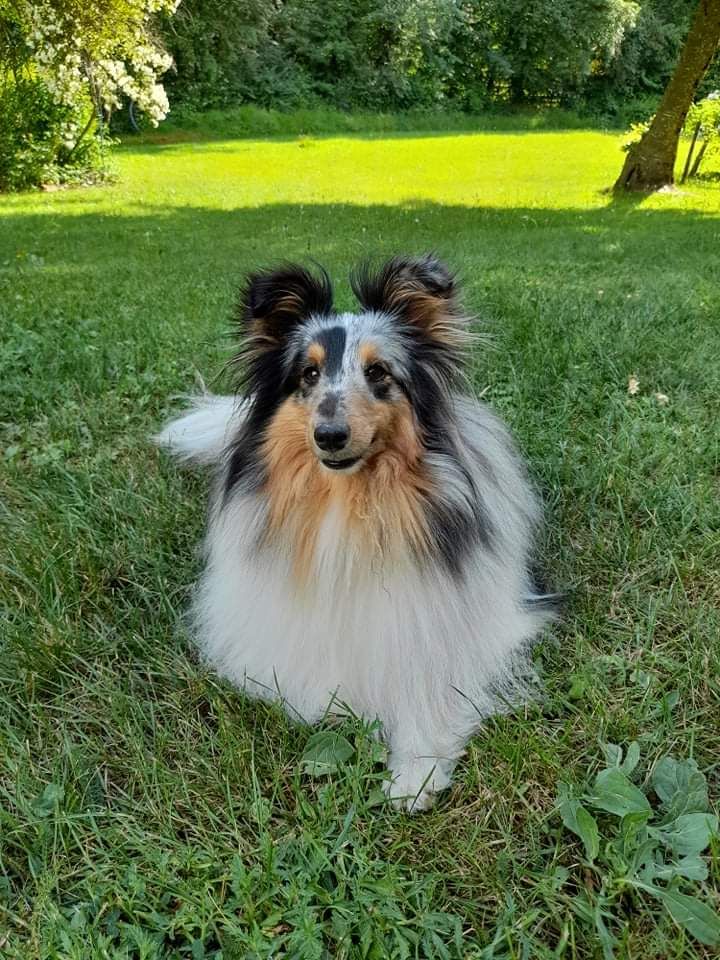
(201, 435)
(427, 653)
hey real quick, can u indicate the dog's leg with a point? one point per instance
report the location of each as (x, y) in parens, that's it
(416, 780)
(421, 765)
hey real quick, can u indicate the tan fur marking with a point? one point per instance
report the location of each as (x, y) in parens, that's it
(368, 354)
(432, 314)
(290, 302)
(297, 488)
(257, 339)
(382, 503)
(316, 354)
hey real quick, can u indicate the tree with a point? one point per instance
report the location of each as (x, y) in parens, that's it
(64, 65)
(650, 163)
(551, 46)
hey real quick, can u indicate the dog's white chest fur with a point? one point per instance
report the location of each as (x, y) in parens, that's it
(337, 636)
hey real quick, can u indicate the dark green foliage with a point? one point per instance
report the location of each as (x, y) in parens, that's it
(629, 85)
(612, 57)
(373, 53)
(223, 53)
(28, 133)
(32, 148)
(550, 48)
(645, 851)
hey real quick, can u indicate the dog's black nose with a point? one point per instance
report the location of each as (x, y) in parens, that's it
(331, 436)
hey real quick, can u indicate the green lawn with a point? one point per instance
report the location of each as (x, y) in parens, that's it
(146, 809)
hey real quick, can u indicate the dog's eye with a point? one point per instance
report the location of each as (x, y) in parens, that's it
(375, 372)
(311, 374)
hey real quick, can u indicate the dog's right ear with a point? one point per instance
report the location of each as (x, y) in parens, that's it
(420, 292)
(274, 302)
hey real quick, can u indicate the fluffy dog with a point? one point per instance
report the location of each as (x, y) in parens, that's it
(370, 531)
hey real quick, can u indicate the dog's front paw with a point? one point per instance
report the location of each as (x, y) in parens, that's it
(416, 781)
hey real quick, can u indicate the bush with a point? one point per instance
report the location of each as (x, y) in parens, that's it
(249, 121)
(610, 59)
(29, 125)
(35, 147)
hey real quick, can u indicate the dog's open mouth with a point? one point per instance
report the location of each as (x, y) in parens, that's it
(340, 464)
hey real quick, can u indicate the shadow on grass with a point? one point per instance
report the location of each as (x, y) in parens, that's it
(187, 245)
(574, 299)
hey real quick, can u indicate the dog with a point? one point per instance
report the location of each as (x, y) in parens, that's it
(371, 525)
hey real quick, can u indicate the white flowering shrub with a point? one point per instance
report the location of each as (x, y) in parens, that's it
(75, 61)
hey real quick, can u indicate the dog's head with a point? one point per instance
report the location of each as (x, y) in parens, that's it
(347, 386)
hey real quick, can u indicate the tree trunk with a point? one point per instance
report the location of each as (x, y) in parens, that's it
(698, 159)
(650, 163)
(688, 160)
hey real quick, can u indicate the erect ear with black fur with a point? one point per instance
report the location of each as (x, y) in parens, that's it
(274, 302)
(421, 291)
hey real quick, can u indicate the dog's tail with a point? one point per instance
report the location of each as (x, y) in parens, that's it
(201, 435)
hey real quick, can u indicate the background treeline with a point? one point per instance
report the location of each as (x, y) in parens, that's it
(609, 57)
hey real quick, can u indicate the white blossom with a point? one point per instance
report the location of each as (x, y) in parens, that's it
(73, 64)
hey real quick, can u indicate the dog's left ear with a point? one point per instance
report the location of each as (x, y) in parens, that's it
(420, 291)
(274, 302)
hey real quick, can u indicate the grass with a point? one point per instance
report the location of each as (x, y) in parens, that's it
(251, 121)
(146, 809)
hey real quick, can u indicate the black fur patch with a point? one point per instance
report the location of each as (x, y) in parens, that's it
(328, 405)
(456, 530)
(456, 533)
(273, 303)
(277, 300)
(333, 339)
(270, 390)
